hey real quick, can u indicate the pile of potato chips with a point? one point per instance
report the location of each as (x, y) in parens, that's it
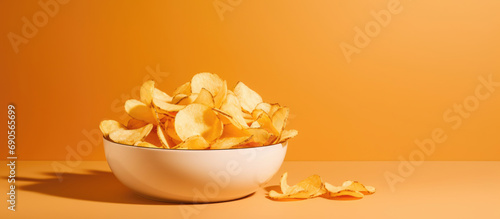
(313, 186)
(200, 114)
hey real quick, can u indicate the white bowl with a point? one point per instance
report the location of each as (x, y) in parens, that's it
(194, 175)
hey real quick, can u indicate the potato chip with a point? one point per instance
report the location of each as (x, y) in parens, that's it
(160, 131)
(307, 188)
(146, 92)
(356, 186)
(108, 126)
(145, 144)
(266, 107)
(288, 134)
(161, 96)
(135, 123)
(171, 132)
(205, 98)
(220, 96)
(198, 119)
(255, 124)
(247, 97)
(273, 109)
(183, 89)
(178, 98)
(231, 130)
(188, 100)
(139, 110)
(193, 142)
(231, 106)
(266, 123)
(166, 108)
(279, 118)
(130, 137)
(260, 136)
(225, 143)
(209, 81)
(349, 188)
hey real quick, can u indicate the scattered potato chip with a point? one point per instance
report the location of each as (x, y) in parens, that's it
(198, 119)
(108, 126)
(337, 191)
(131, 136)
(314, 187)
(193, 142)
(248, 98)
(356, 186)
(307, 188)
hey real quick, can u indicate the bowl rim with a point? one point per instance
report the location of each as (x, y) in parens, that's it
(170, 149)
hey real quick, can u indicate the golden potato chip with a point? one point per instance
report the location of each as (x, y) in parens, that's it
(139, 110)
(198, 119)
(188, 100)
(130, 137)
(307, 188)
(260, 136)
(255, 124)
(183, 89)
(266, 107)
(193, 142)
(108, 126)
(166, 108)
(205, 98)
(279, 118)
(231, 106)
(171, 132)
(231, 130)
(273, 109)
(356, 186)
(145, 144)
(225, 143)
(284, 184)
(220, 96)
(287, 134)
(178, 98)
(146, 92)
(160, 131)
(349, 188)
(161, 96)
(247, 97)
(135, 123)
(209, 81)
(266, 123)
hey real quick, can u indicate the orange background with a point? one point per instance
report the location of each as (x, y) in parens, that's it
(91, 55)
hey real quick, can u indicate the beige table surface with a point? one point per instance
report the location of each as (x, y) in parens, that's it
(434, 190)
